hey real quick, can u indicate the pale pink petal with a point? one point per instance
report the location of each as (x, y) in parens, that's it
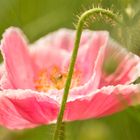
(62, 39)
(94, 49)
(48, 57)
(25, 108)
(17, 60)
(5, 83)
(98, 103)
(127, 66)
(2, 69)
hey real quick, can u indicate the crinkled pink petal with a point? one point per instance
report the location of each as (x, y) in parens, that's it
(17, 61)
(25, 108)
(128, 69)
(10, 118)
(100, 102)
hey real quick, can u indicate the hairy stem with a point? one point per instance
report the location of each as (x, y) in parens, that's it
(79, 28)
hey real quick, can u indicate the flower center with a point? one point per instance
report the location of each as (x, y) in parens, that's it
(55, 79)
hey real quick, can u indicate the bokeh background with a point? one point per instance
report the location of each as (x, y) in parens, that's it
(39, 17)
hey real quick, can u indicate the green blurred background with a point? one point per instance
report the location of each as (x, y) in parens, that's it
(39, 17)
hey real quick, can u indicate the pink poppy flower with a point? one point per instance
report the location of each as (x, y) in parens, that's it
(33, 78)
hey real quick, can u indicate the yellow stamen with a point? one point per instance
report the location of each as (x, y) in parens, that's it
(54, 80)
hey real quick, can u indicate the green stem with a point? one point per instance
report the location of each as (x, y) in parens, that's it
(62, 132)
(79, 28)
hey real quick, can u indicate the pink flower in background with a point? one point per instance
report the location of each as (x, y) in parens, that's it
(33, 78)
